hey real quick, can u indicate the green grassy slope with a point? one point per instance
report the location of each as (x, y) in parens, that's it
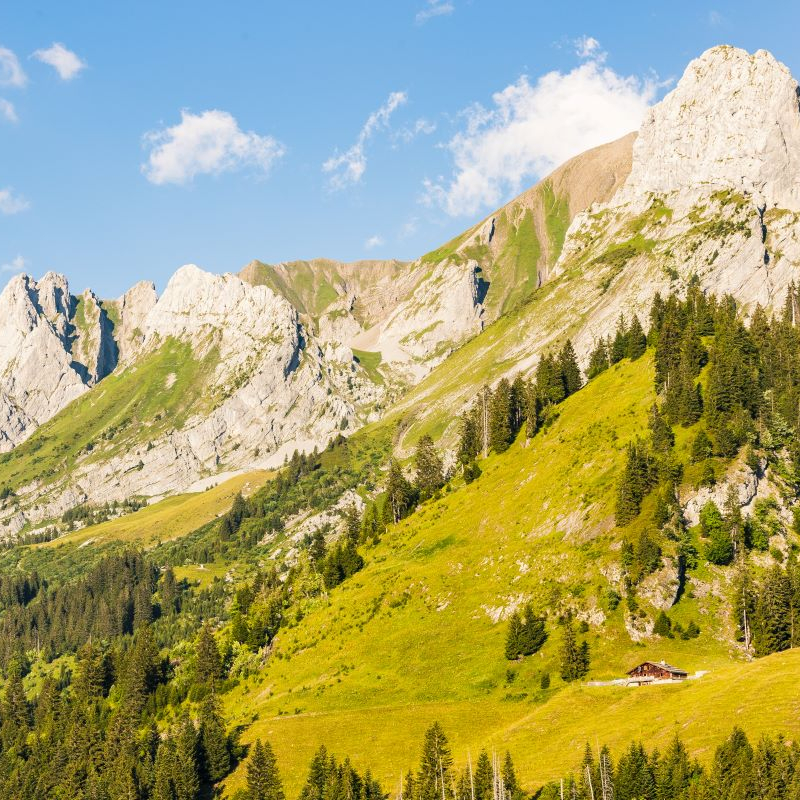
(127, 409)
(168, 519)
(415, 636)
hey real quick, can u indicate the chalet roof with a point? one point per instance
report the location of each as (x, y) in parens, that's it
(660, 665)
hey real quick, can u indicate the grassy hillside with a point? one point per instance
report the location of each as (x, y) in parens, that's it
(168, 519)
(128, 409)
(419, 634)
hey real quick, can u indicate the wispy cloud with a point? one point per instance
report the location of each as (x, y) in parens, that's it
(66, 63)
(208, 143)
(17, 264)
(434, 8)
(715, 19)
(533, 127)
(348, 168)
(421, 127)
(588, 47)
(11, 72)
(8, 111)
(11, 203)
(373, 242)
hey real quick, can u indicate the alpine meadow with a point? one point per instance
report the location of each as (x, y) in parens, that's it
(514, 519)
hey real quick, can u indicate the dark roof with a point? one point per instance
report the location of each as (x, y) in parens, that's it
(661, 665)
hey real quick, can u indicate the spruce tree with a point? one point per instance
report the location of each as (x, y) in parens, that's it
(500, 433)
(598, 360)
(636, 343)
(513, 644)
(570, 371)
(619, 345)
(263, 779)
(701, 447)
(213, 742)
(209, 661)
(429, 470)
(574, 657)
(435, 777)
(400, 495)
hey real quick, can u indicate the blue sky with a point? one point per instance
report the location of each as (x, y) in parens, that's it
(159, 134)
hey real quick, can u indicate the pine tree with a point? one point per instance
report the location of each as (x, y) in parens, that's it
(636, 340)
(435, 778)
(429, 474)
(574, 657)
(532, 632)
(570, 371)
(500, 434)
(701, 447)
(619, 345)
(165, 772)
(484, 777)
(187, 778)
(263, 779)
(399, 493)
(513, 644)
(209, 661)
(213, 742)
(772, 622)
(598, 360)
(636, 481)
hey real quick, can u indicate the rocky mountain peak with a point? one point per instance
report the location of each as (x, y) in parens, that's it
(732, 122)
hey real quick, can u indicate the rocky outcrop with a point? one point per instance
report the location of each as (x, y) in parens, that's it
(731, 122)
(38, 375)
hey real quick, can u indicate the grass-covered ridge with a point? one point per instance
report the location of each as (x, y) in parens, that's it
(128, 409)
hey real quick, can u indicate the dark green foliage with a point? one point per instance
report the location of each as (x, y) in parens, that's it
(636, 482)
(719, 546)
(636, 340)
(500, 431)
(598, 360)
(435, 776)
(400, 494)
(341, 562)
(471, 471)
(568, 366)
(263, 779)
(429, 470)
(574, 656)
(663, 626)
(526, 634)
(208, 660)
(702, 447)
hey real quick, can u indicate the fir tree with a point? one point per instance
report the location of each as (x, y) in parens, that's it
(213, 742)
(399, 493)
(636, 343)
(702, 447)
(570, 372)
(500, 434)
(263, 779)
(598, 360)
(209, 662)
(429, 470)
(574, 657)
(435, 779)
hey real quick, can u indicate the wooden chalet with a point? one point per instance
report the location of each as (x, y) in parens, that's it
(651, 671)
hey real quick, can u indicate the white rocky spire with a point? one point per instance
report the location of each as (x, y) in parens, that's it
(733, 121)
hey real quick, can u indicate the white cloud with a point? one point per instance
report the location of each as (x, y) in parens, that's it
(421, 127)
(11, 203)
(715, 19)
(11, 73)
(8, 111)
(207, 143)
(588, 47)
(434, 8)
(66, 63)
(348, 167)
(17, 264)
(532, 128)
(373, 241)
